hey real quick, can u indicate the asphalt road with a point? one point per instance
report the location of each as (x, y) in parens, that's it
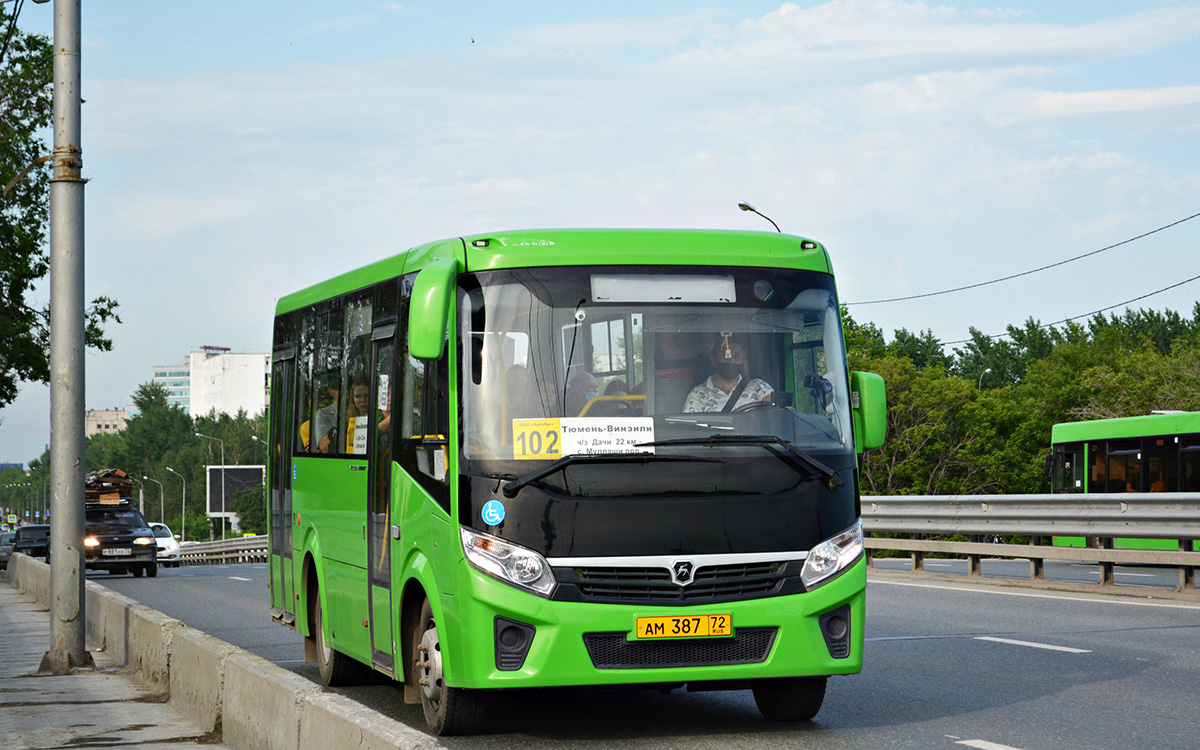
(948, 665)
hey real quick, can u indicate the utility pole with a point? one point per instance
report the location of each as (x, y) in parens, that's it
(67, 617)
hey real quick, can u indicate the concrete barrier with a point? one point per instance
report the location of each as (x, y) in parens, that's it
(249, 702)
(328, 719)
(197, 684)
(262, 705)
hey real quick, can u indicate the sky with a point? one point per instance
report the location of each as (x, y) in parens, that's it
(237, 152)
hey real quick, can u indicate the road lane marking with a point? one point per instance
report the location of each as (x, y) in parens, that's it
(1031, 644)
(985, 745)
(239, 578)
(1030, 594)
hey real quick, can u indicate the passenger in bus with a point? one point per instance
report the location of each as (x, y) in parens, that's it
(519, 402)
(357, 418)
(613, 407)
(730, 381)
(582, 388)
(327, 421)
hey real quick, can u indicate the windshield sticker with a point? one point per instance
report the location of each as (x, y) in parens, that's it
(493, 513)
(550, 439)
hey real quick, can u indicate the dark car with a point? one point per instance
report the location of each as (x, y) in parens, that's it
(32, 540)
(118, 539)
(6, 547)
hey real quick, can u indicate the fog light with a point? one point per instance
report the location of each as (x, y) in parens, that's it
(513, 640)
(835, 627)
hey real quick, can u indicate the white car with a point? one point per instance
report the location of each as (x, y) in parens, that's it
(168, 545)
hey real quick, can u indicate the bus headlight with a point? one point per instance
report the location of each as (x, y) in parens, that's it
(511, 563)
(832, 556)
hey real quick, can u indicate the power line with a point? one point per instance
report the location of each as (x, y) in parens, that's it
(1026, 273)
(1087, 315)
(12, 26)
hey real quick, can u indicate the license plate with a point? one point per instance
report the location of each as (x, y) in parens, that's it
(692, 626)
(117, 552)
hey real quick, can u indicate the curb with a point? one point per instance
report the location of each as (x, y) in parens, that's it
(248, 702)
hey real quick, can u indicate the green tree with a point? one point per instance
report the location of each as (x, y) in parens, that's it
(250, 505)
(26, 98)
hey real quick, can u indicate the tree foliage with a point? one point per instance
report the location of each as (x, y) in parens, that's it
(161, 435)
(26, 107)
(979, 420)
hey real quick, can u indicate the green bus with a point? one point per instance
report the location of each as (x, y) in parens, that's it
(573, 458)
(1157, 452)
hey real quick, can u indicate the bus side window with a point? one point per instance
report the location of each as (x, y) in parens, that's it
(304, 384)
(424, 416)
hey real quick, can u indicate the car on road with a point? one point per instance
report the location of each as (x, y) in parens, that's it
(6, 548)
(33, 540)
(118, 539)
(168, 545)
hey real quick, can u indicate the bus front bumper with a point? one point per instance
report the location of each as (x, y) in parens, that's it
(575, 644)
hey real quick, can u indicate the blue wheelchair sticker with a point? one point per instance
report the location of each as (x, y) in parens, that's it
(493, 513)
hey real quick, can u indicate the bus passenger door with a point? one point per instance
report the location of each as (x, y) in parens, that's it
(279, 464)
(380, 521)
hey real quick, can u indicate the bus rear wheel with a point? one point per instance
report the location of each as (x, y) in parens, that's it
(336, 668)
(448, 710)
(790, 698)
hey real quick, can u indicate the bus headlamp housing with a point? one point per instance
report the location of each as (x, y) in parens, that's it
(832, 556)
(509, 562)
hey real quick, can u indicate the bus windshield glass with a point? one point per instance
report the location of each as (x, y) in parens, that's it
(566, 361)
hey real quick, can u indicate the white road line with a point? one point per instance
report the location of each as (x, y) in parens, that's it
(1031, 595)
(239, 578)
(1031, 644)
(985, 745)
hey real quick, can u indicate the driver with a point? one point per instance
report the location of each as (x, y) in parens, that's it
(729, 377)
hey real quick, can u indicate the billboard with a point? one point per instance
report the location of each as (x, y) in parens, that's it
(219, 500)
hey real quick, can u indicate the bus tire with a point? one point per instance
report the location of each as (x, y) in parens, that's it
(448, 710)
(790, 698)
(336, 668)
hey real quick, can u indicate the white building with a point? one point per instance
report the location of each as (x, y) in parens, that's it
(215, 378)
(103, 422)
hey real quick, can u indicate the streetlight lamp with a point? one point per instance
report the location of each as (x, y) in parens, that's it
(985, 372)
(162, 501)
(222, 442)
(747, 207)
(183, 508)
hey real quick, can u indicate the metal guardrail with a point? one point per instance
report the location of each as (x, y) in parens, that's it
(1099, 518)
(249, 549)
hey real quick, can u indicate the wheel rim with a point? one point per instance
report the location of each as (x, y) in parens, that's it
(429, 666)
(325, 651)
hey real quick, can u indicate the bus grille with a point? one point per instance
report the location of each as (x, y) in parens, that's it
(615, 651)
(654, 585)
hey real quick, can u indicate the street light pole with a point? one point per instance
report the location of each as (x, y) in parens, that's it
(985, 372)
(162, 501)
(183, 507)
(222, 442)
(67, 445)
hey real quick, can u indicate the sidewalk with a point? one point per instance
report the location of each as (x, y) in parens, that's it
(104, 707)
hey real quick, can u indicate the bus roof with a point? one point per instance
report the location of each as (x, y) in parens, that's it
(582, 247)
(1148, 425)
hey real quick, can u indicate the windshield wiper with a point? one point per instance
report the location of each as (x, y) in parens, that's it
(510, 489)
(831, 478)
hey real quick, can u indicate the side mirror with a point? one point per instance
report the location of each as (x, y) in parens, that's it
(429, 309)
(869, 409)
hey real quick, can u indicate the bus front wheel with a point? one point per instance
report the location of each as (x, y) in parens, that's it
(448, 710)
(790, 698)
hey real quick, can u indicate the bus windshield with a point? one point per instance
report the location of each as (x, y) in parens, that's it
(592, 360)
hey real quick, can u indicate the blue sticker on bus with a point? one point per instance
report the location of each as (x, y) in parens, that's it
(493, 512)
